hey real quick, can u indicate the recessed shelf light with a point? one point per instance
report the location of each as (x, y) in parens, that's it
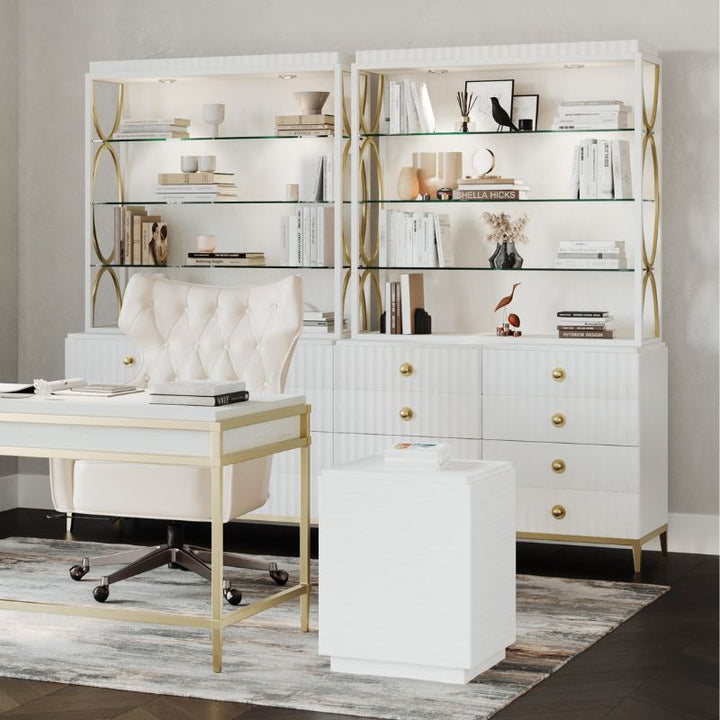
(166, 80)
(574, 66)
(287, 76)
(437, 71)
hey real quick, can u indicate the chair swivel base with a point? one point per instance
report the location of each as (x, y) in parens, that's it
(185, 557)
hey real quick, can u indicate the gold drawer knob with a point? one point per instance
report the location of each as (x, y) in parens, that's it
(406, 413)
(128, 360)
(558, 512)
(558, 419)
(558, 466)
(406, 369)
(559, 374)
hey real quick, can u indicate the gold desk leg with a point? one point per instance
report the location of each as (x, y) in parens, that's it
(663, 542)
(637, 557)
(216, 552)
(305, 523)
(68, 522)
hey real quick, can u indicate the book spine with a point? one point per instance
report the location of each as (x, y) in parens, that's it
(487, 194)
(602, 334)
(394, 107)
(608, 263)
(582, 313)
(575, 174)
(118, 231)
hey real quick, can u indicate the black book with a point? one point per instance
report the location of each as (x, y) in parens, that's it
(583, 313)
(212, 255)
(207, 400)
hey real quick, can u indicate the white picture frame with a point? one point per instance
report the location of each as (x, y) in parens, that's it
(483, 90)
(525, 107)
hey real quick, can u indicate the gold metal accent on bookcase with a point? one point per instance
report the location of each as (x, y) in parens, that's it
(105, 260)
(649, 141)
(372, 274)
(96, 285)
(118, 110)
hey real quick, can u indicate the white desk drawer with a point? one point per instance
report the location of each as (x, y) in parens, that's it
(351, 447)
(101, 358)
(604, 468)
(562, 420)
(593, 514)
(560, 373)
(382, 413)
(425, 370)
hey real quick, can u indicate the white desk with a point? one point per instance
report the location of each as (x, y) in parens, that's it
(129, 429)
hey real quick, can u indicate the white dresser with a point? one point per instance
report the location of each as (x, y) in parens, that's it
(586, 428)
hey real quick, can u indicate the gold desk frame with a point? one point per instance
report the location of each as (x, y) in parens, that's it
(635, 544)
(217, 459)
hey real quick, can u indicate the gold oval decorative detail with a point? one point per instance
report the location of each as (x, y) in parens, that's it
(96, 284)
(105, 147)
(118, 111)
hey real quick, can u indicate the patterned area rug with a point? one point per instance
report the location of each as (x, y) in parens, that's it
(267, 660)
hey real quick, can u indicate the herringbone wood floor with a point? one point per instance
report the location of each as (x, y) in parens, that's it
(660, 665)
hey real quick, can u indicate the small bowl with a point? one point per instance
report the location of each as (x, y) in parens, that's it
(311, 102)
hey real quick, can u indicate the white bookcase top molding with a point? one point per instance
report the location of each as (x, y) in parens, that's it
(229, 65)
(598, 51)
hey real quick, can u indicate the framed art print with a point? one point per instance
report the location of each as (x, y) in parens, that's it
(484, 90)
(525, 111)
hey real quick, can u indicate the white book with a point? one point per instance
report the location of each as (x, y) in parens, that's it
(196, 188)
(314, 252)
(388, 305)
(305, 235)
(622, 178)
(418, 455)
(383, 238)
(328, 179)
(588, 174)
(605, 175)
(446, 253)
(418, 240)
(596, 264)
(178, 198)
(205, 388)
(575, 173)
(316, 194)
(394, 107)
(285, 236)
(413, 119)
(426, 110)
(326, 235)
(298, 246)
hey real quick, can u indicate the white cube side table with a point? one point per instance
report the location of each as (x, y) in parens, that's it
(417, 568)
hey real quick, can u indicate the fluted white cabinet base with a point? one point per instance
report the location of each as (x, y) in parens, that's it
(381, 611)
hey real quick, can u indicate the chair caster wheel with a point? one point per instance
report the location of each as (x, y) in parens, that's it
(101, 592)
(279, 576)
(78, 572)
(233, 596)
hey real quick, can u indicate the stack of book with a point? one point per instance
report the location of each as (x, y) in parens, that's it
(405, 306)
(99, 390)
(317, 179)
(490, 187)
(230, 259)
(317, 322)
(592, 115)
(140, 239)
(199, 392)
(418, 455)
(308, 236)
(585, 324)
(304, 125)
(586, 255)
(414, 239)
(408, 108)
(601, 170)
(152, 128)
(196, 187)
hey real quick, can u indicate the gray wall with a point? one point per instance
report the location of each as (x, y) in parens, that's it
(58, 44)
(8, 201)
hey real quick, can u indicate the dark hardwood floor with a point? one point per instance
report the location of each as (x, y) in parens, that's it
(662, 664)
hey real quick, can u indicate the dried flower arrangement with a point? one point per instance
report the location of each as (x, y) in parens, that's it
(506, 230)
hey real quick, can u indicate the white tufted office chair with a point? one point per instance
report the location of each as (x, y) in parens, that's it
(188, 332)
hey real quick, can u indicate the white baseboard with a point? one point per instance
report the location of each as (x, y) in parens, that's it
(687, 533)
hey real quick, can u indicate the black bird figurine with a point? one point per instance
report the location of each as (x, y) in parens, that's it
(500, 116)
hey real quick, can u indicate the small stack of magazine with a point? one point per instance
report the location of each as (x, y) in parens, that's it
(418, 455)
(210, 393)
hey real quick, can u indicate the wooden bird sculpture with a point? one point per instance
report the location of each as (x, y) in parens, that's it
(507, 299)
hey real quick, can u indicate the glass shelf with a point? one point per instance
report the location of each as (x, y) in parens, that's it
(219, 265)
(485, 267)
(214, 202)
(495, 132)
(225, 137)
(519, 200)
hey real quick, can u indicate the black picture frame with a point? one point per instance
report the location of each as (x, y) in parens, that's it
(483, 90)
(526, 108)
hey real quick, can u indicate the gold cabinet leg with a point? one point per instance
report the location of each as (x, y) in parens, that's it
(216, 552)
(637, 557)
(68, 522)
(305, 525)
(663, 542)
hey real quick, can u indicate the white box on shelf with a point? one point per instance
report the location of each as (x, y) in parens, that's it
(402, 602)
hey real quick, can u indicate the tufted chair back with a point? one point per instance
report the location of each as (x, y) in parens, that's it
(191, 332)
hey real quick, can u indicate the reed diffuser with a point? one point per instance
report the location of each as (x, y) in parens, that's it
(466, 100)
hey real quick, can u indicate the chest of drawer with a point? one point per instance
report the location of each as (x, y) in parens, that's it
(311, 366)
(577, 512)
(603, 468)
(321, 400)
(407, 414)
(560, 420)
(559, 373)
(410, 369)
